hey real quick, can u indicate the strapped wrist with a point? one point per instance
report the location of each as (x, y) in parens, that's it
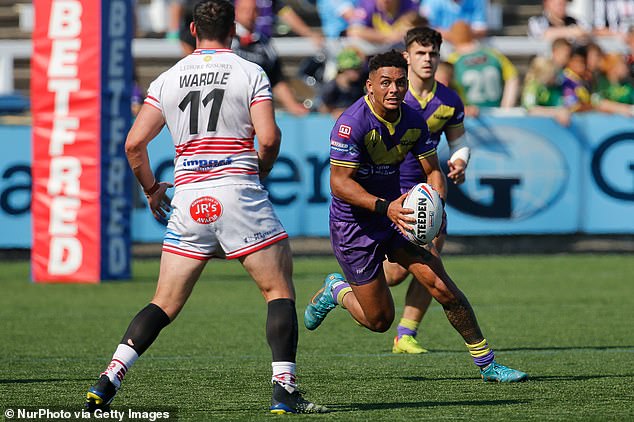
(381, 206)
(151, 191)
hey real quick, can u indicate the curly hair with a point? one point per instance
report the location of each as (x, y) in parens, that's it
(214, 19)
(391, 58)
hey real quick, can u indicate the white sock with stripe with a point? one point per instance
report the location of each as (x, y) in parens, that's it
(284, 374)
(122, 360)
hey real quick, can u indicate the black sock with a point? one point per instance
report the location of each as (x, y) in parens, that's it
(145, 327)
(281, 329)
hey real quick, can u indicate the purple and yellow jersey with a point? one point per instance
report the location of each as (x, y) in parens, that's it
(375, 147)
(370, 16)
(442, 109)
(574, 90)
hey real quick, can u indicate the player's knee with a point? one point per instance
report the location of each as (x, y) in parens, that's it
(171, 309)
(381, 323)
(394, 277)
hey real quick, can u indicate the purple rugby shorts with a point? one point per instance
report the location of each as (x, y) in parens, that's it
(361, 247)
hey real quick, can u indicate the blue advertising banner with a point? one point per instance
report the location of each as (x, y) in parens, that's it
(607, 193)
(15, 187)
(527, 175)
(116, 115)
(523, 177)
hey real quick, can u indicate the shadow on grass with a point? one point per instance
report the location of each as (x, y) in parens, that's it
(577, 377)
(38, 381)
(539, 349)
(545, 378)
(555, 348)
(416, 405)
(440, 378)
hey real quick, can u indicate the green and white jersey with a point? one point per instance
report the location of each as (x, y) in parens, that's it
(537, 94)
(619, 92)
(481, 75)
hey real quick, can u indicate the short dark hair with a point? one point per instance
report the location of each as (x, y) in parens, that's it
(214, 19)
(560, 42)
(580, 51)
(391, 58)
(423, 35)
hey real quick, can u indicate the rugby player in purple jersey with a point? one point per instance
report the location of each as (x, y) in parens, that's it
(443, 111)
(367, 145)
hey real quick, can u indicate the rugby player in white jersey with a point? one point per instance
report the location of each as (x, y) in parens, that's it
(213, 103)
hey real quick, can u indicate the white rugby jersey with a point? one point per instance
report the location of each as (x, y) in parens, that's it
(205, 99)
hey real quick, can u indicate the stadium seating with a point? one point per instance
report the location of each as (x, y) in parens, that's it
(16, 21)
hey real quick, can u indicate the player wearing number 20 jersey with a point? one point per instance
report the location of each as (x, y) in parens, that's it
(205, 100)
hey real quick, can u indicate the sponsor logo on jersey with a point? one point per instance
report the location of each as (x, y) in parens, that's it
(369, 170)
(339, 146)
(345, 131)
(205, 210)
(205, 164)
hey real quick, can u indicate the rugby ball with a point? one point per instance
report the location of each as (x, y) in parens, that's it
(428, 211)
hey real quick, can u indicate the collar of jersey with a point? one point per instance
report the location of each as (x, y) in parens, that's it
(391, 127)
(572, 75)
(423, 101)
(212, 50)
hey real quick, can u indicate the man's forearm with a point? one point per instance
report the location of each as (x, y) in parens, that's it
(351, 192)
(140, 164)
(437, 180)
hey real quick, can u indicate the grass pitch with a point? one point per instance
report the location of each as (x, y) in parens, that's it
(566, 320)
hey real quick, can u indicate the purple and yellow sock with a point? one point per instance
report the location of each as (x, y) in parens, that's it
(407, 327)
(481, 353)
(339, 290)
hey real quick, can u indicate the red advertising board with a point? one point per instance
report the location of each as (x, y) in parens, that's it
(67, 94)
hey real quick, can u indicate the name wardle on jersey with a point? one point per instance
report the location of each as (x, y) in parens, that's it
(205, 99)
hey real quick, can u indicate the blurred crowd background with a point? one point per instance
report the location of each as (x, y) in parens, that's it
(585, 59)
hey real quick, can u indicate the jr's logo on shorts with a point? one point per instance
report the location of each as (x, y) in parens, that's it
(205, 210)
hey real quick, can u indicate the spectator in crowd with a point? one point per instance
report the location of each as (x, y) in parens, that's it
(485, 76)
(555, 22)
(614, 82)
(612, 17)
(137, 97)
(339, 93)
(445, 75)
(181, 15)
(560, 51)
(614, 92)
(336, 16)
(292, 19)
(629, 40)
(542, 94)
(257, 48)
(575, 90)
(384, 21)
(442, 14)
(594, 57)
